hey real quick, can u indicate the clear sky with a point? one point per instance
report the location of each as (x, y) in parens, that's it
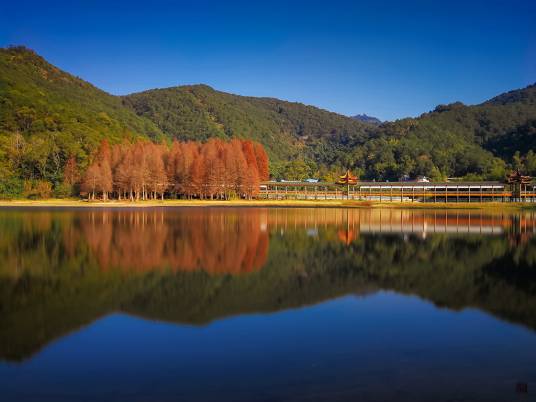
(384, 58)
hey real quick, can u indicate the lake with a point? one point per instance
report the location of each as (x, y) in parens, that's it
(267, 304)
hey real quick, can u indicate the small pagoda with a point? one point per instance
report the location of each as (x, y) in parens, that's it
(347, 179)
(518, 182)
(517, 178)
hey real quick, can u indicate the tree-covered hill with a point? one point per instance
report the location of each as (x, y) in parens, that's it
(525, 96)
(453, 140)
(456, 140)
(48, 115)
(37, 97)
(286, 129)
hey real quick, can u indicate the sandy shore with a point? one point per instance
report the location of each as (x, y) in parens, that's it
(74, 203)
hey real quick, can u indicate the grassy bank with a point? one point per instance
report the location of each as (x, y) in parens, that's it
(263, 203)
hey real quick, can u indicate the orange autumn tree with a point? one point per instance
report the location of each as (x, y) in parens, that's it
(262, 162)
(251, 179)
(98, 177)
(143, 170)
(71, 175)
(157, 178)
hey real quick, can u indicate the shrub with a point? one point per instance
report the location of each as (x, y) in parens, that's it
(39, 189)
(10, 187)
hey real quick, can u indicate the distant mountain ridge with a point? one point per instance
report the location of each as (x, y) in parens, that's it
(46, 115)
(367, 119)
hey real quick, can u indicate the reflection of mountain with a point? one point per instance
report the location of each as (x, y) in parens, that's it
(61, 270)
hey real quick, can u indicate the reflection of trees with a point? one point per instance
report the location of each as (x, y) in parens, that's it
(216, 240)
(61, 270)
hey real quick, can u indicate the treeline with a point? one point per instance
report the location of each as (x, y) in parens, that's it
(144, 170)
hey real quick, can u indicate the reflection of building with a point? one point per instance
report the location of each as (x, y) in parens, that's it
(346, 236)
(227, 241)
(352, 222)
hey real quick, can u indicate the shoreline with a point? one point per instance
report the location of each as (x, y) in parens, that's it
(74, 203)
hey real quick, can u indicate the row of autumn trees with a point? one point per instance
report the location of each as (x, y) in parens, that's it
(143, 170)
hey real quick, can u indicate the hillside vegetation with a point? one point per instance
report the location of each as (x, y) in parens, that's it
(453, 140)
(286, 129)
(48, 117)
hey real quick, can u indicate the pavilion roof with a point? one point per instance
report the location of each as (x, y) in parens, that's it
(517, 177)
(347, 178)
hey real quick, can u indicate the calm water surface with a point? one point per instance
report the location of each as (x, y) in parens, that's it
(218, 304)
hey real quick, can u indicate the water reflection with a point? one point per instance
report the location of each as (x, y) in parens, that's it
(216, 242)
(61, 269)
(219, 241)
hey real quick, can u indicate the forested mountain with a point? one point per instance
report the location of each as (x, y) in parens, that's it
(457, 140)
(38, 98)
(286, 129)
(367, 119)
(47, 116)
(453, 140)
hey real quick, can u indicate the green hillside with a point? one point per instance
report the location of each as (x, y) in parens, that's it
(38, 97)
(453, 140)
(286, 129)
(458, 139)
(46, 115)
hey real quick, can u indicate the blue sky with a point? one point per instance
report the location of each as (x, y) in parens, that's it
(384, 58)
